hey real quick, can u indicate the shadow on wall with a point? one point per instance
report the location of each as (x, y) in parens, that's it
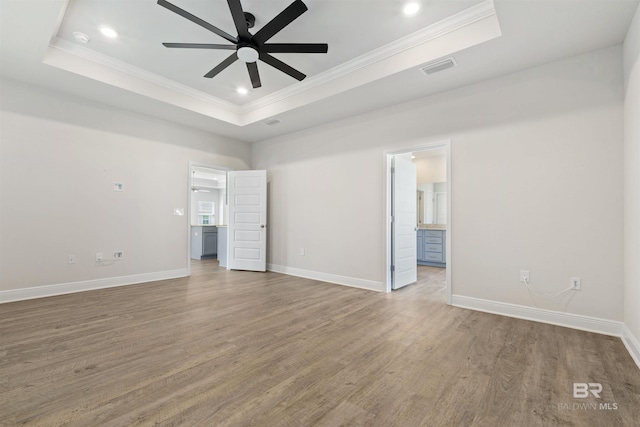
(29, 100)
(518, 97)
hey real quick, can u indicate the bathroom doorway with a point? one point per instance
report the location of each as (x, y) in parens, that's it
(432, 232)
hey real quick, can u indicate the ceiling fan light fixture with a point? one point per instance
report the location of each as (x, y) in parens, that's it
(248, 54)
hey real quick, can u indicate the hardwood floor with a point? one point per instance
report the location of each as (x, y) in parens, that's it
(237, 348)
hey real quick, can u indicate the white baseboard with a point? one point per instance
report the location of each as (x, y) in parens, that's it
(575, 321)
(330, 278)
(87, 285)
(632, 344)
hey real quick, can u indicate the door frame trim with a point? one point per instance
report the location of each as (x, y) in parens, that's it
(387, 156)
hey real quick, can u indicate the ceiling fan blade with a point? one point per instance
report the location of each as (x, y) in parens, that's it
(276, 63)
(196, 20)
(221, 66)
(238, 18)
(200, 46)
(253, 73)
(296, 48)
(287, 16)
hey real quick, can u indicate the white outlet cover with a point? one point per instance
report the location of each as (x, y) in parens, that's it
(178, 211)
(118, 186)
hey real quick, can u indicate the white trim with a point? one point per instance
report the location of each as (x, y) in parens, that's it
(447, 25)
(133, 71)
(568, 320)
(446, 144)
(87, 285)
(632, 344)
(353, 282)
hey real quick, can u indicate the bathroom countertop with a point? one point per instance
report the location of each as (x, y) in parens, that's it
(432, 226)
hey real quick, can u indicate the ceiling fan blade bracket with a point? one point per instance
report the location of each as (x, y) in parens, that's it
(296, 47)
(200, 46)
(284, 18)
(252, 67)
(287, 69)
(239, 19)
(222, 66)
(204, 24)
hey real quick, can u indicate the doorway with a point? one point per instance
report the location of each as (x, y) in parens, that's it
(207, 210)
(445, 213)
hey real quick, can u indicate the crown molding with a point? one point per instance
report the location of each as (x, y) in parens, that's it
(462, 19)
(184, 96)
(123, 67)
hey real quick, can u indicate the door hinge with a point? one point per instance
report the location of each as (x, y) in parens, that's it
(393, 268)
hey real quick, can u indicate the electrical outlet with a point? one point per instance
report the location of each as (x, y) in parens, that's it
(524, 276)
(71, 259)
(576, 284)
(98, 256)
(118, 255)
(302, 251)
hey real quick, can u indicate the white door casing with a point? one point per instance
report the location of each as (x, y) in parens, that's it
(247, 221)
(405, 262)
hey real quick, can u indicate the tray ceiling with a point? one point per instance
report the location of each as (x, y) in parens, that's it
(374, 59)
(360, 33)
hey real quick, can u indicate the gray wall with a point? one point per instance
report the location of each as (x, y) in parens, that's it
(60, 156)
(547, 141)
(632, 180)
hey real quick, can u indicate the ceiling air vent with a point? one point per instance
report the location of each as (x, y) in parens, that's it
(439, 65)
(271, 122)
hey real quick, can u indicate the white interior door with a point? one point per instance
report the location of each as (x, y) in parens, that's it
(247, 232)
(403, 229)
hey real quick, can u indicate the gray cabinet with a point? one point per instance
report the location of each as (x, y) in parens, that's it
(432, 247)
(204, 242)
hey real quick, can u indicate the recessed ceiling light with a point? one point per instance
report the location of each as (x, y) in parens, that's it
(109, 32)
(242, 90)
(411, 8)
(81, 37)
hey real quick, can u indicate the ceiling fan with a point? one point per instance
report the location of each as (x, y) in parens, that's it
(251, 47)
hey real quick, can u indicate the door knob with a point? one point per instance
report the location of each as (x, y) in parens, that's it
(261, 225)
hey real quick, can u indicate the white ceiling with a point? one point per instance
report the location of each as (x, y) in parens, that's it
(373, 61)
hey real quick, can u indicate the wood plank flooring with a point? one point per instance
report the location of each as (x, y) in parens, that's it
(238, 348)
